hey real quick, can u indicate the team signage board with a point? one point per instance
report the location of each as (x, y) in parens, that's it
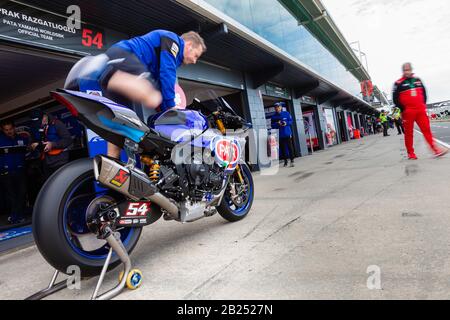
(29, 25)
(308, 99)
(276, 91)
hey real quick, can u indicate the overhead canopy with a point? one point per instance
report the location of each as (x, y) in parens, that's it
(237, 49)
(313, 16)
(381, 96)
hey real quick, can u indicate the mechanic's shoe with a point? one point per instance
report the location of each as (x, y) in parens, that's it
(292, 164)
(440, 153)
(168, 217)
(285, 164)
(12, 221)
(412, 156)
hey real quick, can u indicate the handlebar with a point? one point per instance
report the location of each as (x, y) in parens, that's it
(231, 120)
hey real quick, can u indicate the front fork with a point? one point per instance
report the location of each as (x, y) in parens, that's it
(223, 130)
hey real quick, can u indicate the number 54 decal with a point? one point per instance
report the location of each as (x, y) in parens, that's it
(137, 209)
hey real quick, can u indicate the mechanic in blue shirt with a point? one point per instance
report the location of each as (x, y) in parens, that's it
(144, 70)
(282, 120)
(51, 139)
(12, 170)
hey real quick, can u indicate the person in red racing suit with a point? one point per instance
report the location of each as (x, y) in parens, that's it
(410, 96)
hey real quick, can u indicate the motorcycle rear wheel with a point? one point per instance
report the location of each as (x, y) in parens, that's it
(59, 221)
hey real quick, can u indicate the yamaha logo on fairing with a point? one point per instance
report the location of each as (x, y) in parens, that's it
(97, 139)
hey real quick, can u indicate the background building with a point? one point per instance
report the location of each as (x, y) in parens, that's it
(440, 110)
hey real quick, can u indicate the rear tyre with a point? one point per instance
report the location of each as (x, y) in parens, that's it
(236, 205)
(59, 221)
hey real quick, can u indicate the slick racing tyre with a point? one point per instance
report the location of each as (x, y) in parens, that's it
(59, 221)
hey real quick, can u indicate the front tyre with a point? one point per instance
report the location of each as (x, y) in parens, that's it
(238, 199)
(59, 221)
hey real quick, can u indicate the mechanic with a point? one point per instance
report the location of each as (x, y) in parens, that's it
(144, 70)
(410, 96)
(397, 116)
(384, 122)
(12, 171)
(51, 139)
(282, 120)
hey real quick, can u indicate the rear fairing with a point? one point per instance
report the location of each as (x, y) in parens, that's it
(109, 120)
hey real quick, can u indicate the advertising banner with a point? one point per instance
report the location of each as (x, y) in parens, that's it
(310, 129)
(29, 25)
(350, 126)
(331, 127)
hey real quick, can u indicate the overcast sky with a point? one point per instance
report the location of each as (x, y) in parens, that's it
(395, 31)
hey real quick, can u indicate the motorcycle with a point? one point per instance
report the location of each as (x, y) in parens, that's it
(181, 166)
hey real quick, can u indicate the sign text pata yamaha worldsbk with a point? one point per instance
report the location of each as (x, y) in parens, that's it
(32, 26)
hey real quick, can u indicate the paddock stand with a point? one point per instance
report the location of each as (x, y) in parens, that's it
(128, 278)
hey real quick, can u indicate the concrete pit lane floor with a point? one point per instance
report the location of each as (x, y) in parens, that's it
(357, 221)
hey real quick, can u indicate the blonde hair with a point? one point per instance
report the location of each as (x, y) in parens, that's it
(195, 39)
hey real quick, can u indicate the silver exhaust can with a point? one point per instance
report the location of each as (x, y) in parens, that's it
(131, 183)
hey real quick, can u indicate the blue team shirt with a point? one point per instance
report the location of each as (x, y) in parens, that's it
(14, 162)
(285, 132)
(162, 52)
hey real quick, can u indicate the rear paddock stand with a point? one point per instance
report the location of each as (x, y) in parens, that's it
(128, 278)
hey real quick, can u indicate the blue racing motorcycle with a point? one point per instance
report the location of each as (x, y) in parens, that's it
(181, 166)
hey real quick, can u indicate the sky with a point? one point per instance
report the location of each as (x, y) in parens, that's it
(392, 32)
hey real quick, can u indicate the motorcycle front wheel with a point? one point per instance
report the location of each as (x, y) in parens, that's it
(238, 199)
(59, 221)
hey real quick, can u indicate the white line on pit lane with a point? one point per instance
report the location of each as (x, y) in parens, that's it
(437, 140)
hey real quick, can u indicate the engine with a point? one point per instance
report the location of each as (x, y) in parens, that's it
(193, 181)
(205, 176)
(200, 177)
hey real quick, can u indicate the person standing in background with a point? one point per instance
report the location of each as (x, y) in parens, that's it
(12, 171)
(384, 122)
(53, 141)
(282, 120)
(397, 116)
(410, 96)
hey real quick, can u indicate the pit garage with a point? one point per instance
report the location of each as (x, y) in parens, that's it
(26, 79)
(37, 50)
(29, 74)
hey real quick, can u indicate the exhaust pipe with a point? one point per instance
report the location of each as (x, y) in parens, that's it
(131, 183)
